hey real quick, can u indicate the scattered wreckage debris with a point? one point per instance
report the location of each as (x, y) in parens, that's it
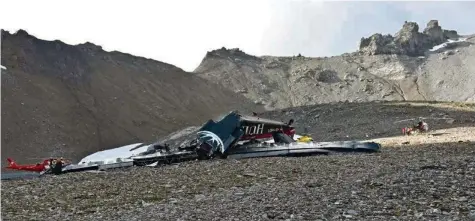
(305, 139)
(165, 158)
(234, 136)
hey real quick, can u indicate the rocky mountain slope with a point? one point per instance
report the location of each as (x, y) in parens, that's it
(69, 101)
(385, 68)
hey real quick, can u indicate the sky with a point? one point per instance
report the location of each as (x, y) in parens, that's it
(180, 32)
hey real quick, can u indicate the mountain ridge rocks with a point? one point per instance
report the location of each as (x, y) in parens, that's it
(407, 41)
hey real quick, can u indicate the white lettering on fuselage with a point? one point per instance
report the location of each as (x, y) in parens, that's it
(251, 130)
(258, 129)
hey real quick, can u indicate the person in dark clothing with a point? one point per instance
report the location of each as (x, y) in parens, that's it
(58, 167)
(422, 126)
(291, 121)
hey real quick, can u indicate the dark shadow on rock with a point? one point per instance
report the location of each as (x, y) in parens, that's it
(328, 76)
(438, 134)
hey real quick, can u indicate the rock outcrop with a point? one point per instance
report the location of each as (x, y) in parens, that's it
(435, 32)
(407, 41)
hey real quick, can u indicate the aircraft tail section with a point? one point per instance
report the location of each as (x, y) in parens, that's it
(11, 162)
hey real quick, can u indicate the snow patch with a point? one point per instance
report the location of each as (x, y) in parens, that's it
(3, 67)
(445, 44)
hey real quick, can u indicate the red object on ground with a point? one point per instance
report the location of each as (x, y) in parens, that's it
(39, 167)
(290, 132)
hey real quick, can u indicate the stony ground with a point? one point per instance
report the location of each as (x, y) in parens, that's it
(428, 176)
(421, 182)
(424, 177)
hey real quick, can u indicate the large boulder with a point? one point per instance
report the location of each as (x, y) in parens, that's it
(378, 44)
(410, 40)
(451, 34)
(435, 32)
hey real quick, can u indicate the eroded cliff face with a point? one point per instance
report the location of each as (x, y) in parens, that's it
(386, 68)
(63, 100)
(408, 40)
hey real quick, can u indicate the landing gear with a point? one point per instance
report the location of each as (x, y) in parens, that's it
(204, 151)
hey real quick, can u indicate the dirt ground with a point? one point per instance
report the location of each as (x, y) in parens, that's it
(450, 135)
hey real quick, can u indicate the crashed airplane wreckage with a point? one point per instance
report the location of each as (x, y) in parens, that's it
(222, 139)
(234, 136)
